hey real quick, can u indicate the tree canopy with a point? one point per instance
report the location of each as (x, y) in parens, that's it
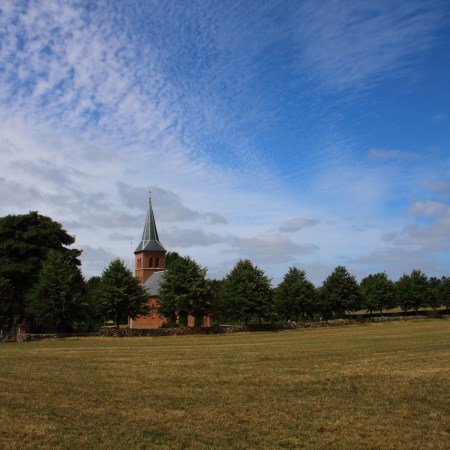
(295, 296)
(184, 291)
(55, 300)
(247, 293)
(120, 294)
(378, 292)
(25, 241)
(413, 291)
(339, 293)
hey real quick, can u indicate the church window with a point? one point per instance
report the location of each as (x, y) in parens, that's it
(150, 262)
(153, 311)
(157, 262)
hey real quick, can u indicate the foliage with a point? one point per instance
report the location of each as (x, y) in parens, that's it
(6, 302)
(184, 290)
(378, 292)
(120, 294)
(25, 241)
(247, 293)
(339, 293)
(295, 296)
(92, 317)
(413, 291)
(444, 292)
(55, 301)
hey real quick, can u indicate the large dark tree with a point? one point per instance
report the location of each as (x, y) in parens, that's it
(339, 293)
(247, 293)
(295, 296)
(184, 291)
(378, 292)
(120, 294)
(413, 291)
(25, 241)
(55, 301)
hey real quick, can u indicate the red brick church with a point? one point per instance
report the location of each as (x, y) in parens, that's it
(150, 263)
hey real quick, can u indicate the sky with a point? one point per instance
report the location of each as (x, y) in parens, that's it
(292, 133)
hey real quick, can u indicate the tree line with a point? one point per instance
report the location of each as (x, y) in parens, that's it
(41, 284)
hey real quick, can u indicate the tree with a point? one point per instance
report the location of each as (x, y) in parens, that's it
(184, 291)
(378, 292)
(413, 291)
(295, 296)
(247, 293)
(444, 292)
(55, 301)
(435, 290)
(6, 305)
(120, 294)
(92, 317)
(339, 293)
(24, 243)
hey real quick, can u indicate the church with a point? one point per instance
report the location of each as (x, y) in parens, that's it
(150, 264)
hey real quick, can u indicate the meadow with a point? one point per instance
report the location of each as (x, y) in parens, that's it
(377, 386)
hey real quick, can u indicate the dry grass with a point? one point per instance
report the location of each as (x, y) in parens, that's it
(380, 386)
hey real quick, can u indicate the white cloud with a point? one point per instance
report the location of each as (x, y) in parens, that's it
(270, 249)
(297, 224)
(429, 208)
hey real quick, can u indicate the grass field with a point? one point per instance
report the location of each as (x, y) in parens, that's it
(379, 386)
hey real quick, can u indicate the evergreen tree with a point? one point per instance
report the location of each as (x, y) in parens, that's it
(378, 292)
(55, 301)
(184, 291)
(339, 293)
(295, 296)
(24, 243)
(247, 293)
(120, 294)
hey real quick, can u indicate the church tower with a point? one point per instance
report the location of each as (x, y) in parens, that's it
(150, 255)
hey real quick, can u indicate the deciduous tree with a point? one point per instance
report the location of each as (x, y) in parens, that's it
(413, 291)
(378, 292)
(184, 291)
(295, 296)
(339, 293)
(247, 293)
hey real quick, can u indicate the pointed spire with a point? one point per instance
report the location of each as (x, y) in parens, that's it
(150, 239)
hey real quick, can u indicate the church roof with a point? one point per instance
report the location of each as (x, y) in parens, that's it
(150, 239)
(153, 283)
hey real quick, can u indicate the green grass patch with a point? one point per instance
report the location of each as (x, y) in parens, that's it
(378, 386)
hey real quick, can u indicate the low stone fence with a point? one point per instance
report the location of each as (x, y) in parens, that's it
(225, 329)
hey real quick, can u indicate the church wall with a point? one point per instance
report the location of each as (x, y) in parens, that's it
(152, 320)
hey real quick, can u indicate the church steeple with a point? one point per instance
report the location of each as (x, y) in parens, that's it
(150, 253)
(150, 239)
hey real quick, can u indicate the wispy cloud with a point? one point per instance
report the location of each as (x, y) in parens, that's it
(350, 44)
(392, 154)
(297, 224)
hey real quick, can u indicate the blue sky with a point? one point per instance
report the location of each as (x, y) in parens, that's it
(293, 133)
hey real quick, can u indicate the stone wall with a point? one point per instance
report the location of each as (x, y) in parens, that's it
(224, 329)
